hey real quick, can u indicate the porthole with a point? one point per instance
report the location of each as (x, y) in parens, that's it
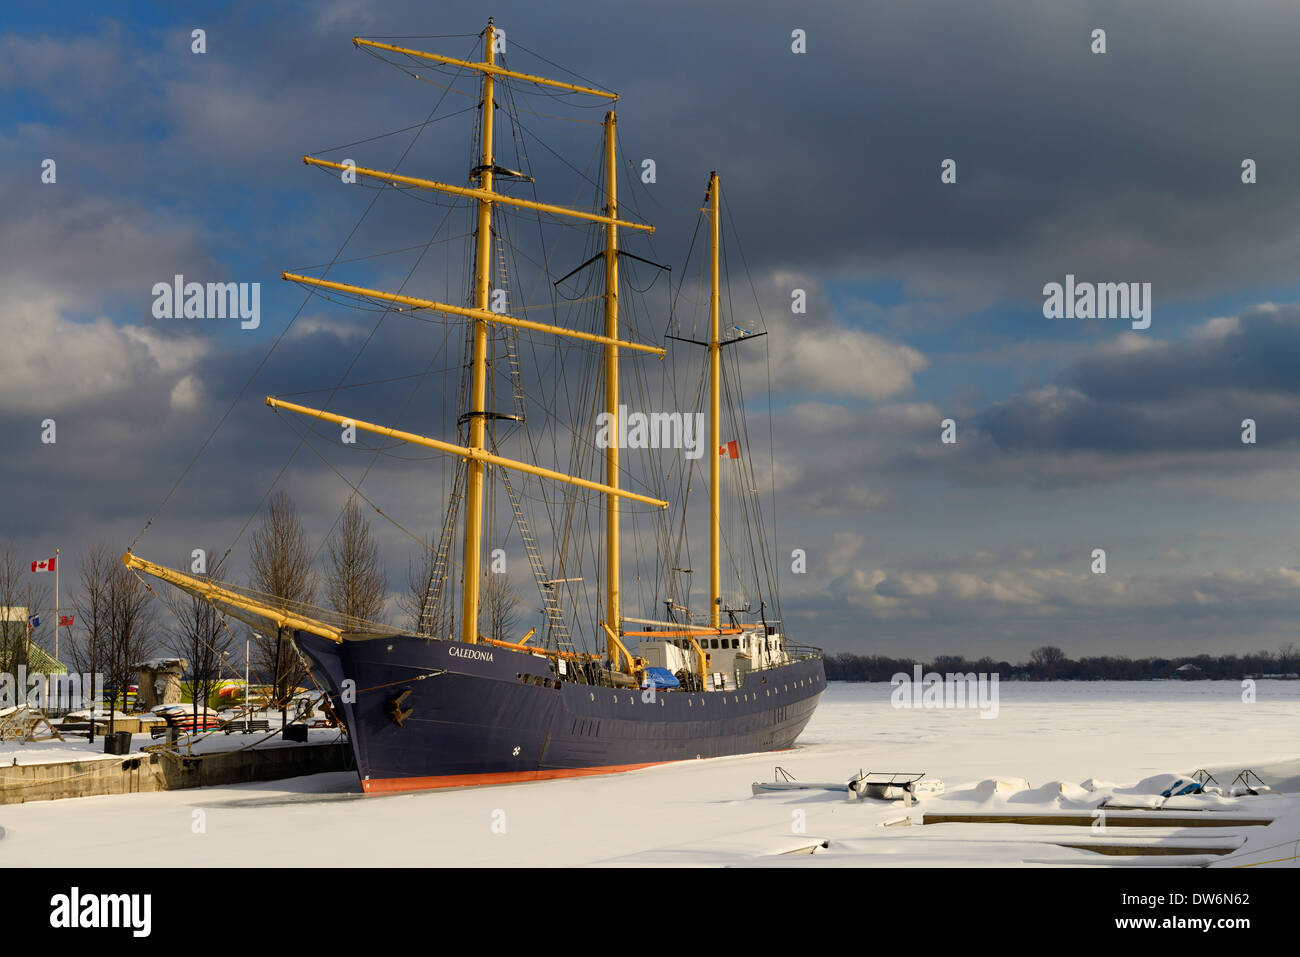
(593, 695)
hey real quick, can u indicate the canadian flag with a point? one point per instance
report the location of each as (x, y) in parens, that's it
(729, 451)
(45, 566)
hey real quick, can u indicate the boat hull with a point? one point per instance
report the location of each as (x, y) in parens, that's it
(479, 714)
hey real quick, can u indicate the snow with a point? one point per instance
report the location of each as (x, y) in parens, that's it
(79, 749)
(159, 664)
(1055, 748)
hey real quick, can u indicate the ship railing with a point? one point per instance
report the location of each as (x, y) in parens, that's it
(802, 651)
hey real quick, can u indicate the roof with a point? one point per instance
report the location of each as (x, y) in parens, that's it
(41, 661)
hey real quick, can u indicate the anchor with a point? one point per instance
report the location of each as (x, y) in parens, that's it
(396, 713)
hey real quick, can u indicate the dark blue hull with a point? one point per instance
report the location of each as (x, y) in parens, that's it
(480, 714)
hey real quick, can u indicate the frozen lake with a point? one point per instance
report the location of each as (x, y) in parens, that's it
(1107, 733)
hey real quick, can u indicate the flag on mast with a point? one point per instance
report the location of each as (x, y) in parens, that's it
(43, 566)
(730, 451)
(65, 621)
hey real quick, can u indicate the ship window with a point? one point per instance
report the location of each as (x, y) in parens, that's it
(715, 642)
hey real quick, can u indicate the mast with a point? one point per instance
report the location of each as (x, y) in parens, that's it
(478, 388)
(715, 413)
(477, 458)
(613, 613)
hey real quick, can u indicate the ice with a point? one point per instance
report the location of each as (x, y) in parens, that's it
(1055, 747)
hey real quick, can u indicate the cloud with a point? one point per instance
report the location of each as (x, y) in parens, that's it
(818, 352)
(170, 162)
(1179, 396)
(51, 363)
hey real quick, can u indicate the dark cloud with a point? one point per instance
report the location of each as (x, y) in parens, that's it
(1151, 397)
(1122, 167)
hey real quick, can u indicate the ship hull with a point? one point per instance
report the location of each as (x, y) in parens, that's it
(479, 714)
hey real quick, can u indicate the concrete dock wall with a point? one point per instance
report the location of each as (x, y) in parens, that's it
(155, 771)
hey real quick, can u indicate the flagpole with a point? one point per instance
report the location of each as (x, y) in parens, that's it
(56, 604)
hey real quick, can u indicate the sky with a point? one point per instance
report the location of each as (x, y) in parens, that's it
(925, 298)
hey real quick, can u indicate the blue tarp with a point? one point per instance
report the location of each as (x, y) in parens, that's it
(661, 677)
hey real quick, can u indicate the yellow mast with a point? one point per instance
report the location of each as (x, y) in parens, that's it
(478, 388)
(488, 67)
(475, 454)
(499, 318)
(470, 192)
(203, 588)
(715, 414)
(613, 613)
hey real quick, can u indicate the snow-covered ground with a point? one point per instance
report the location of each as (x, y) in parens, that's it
(1117, 737)
(79, 749)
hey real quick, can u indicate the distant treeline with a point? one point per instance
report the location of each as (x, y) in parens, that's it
(1052, 664)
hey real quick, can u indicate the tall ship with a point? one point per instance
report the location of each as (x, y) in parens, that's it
(619, 672)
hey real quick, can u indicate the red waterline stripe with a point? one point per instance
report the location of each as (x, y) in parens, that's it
(389, 785)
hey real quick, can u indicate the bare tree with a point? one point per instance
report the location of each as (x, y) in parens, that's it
(1287, 657)
(131, 630)
(202, 639)
(500, 603)
(281, 563)
(20, 597)
(357, 583)
(1047, 660)
(414, 602)
(91, 604)
(13, 614)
